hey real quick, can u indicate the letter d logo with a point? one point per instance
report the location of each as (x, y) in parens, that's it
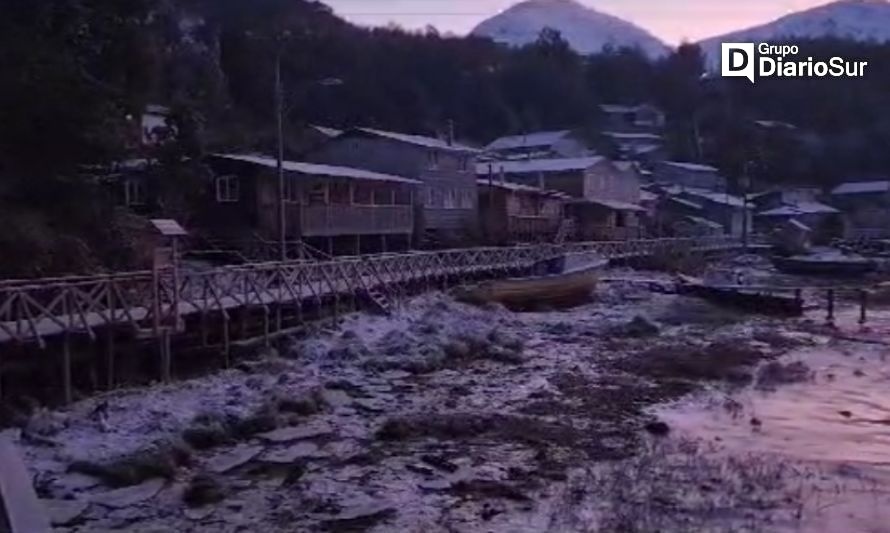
(737, 60)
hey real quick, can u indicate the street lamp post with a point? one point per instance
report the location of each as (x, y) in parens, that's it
(281, 113)
(279, 117)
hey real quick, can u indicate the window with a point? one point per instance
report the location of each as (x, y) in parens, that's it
(317, 194)
(291, 190)
(463, 163)
(433, 159)
(134, 193)
(228, 189)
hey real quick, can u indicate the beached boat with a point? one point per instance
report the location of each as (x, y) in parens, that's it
(825, 265)
(762, 300)
(574, 284)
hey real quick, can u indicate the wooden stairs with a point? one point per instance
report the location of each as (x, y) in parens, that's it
(566, 230)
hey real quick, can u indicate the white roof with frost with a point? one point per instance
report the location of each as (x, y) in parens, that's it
(530, 140)
(312, 169)
(862, 187)
(534, 166)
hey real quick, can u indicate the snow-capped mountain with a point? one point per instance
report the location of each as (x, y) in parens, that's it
(588, 31)
(860, 20)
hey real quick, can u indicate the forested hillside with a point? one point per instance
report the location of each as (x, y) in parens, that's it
(77, 73)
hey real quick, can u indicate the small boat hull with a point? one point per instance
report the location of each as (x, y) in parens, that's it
(745, 299)
(558, 290)
(815, 267)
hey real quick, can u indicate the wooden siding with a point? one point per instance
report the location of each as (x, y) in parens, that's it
(334, 220)
(448, 177)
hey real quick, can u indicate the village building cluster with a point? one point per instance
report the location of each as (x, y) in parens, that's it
(360, 189)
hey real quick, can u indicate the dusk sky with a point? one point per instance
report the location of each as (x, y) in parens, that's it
(672, 21)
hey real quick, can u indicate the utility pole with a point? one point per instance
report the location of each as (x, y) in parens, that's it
(746, 187)
(279, 117)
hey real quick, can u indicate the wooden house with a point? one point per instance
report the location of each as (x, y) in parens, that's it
(866, 205)
(537, 145)
(632, 118)
(780, 207)
(689, 175)
(604, 198)
(512, 212)
(446, 201)
(338, 209)
(644, 147)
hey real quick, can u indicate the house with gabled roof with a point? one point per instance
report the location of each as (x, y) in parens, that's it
(866, 205)
(537, 145)
(447, 199)
(687, 174)
(335, 208)
(604, 196)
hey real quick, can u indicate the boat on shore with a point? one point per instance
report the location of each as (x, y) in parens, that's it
(761, 300)
(573, 283)
(834, 264)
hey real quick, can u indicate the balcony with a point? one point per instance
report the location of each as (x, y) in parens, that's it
(335, 220)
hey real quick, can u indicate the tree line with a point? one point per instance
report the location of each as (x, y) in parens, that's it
(77, 74)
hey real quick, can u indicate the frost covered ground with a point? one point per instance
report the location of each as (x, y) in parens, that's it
(447, 417)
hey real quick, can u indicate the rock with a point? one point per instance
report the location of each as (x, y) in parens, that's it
(204, 436)
(361, 517)
(371, 405)
(639, 327)
(756, 422)
(775, 373)
(158, 460)
(291, 434)
(204, 489)
(77, 482)
(846, 414)
(436, 485)
(657, 428)
(440, 463)
(45, 423)
(199, 514)
(64, 512)
(293, 453)
(395, 375)
(126, 497)
(336, 398)
(239, 456)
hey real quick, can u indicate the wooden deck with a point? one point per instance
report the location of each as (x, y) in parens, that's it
(35, 310)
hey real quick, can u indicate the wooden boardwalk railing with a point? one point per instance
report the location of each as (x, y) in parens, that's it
(34, 310)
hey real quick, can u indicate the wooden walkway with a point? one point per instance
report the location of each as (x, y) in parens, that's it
(147, 304)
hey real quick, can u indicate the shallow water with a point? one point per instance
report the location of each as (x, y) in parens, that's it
(836, 425)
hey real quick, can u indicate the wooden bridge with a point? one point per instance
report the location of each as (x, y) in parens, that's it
(174, 302)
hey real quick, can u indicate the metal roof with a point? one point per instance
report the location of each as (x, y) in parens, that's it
(313, 169)
(529, 140)
(862, 187)
(633, 136)
(696, 167)
(327, 132)
(716, 197)
(617, 108)
(684, 202)
(534, 166)
(168, 227)
(703, 222)
(417, 140)
(610, 204)
(800, 208)
(510, 186)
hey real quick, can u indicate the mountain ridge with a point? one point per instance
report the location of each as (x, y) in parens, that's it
(587, 30)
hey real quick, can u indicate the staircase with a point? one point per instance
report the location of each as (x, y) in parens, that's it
(380, 301)
(565, 231)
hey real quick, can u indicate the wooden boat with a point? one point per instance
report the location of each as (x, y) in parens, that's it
(835, 265)
(762, 300)
(572, 286)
